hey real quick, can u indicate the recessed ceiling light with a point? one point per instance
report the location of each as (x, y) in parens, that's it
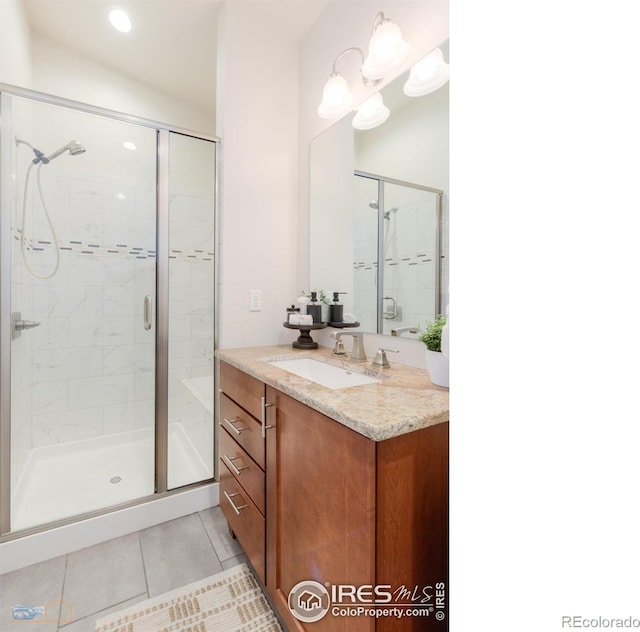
(121, 196)
(120, 20)
(129, 145)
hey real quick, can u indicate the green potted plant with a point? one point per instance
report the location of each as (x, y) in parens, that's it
(437, 363)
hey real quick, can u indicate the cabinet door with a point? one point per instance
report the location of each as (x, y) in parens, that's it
(320, 507)
(413, 520)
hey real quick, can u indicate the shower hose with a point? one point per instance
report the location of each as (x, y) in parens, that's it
(23, 245)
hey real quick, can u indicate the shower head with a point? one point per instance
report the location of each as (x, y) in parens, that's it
(374, 205)
(73, 147)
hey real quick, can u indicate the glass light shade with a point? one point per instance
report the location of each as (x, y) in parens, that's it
(371, 113)
(387, 51)
(120, 20)
(336, 98)
(427, 75)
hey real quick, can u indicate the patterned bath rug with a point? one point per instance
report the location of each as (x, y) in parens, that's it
(230, 601)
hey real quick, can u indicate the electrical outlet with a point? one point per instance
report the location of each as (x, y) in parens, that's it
(255, 300)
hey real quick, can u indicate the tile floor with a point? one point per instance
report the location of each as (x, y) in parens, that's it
(118, 573)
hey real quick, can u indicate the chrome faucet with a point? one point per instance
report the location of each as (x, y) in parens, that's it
(357, 351)
(400, 330)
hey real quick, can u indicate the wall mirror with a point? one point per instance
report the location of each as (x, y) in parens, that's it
(379, 212)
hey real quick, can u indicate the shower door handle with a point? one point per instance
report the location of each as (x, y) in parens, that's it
(22, 325)
(147, 312)
(393, 312)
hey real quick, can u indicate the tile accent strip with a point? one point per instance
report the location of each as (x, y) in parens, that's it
(390, 261)
(121, 250)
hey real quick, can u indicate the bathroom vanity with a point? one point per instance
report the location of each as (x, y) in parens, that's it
(345, 486)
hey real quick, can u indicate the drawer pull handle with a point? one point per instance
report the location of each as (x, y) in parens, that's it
(231, 423)
(263, 417)
(230, 462)
(235, 507)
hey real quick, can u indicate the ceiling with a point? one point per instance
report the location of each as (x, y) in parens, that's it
(172, 45)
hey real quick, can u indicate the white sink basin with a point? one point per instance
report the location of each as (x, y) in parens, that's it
(325, 374)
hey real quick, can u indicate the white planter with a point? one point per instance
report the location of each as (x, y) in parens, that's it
(438, 367)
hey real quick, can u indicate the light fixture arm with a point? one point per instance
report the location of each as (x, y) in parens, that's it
(343, 53)
(379, 20)
(365, 80)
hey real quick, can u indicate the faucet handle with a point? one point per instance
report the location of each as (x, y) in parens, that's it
(339, 349)
(381, 358)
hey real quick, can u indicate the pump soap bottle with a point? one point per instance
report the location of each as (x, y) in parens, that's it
(314, 308)
(336, 309)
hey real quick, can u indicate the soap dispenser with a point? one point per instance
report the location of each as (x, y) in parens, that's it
(314, 308)
(302, 302)
(336, 309)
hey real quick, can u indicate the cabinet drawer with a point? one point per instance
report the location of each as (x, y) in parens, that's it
(244, 520)
(244, 469)
(242, 388)
(246, 430)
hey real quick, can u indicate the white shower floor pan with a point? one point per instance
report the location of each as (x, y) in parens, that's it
(65, 480)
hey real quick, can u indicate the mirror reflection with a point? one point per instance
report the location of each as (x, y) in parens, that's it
(379, 212)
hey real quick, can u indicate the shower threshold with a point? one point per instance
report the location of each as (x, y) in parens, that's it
(63, 480)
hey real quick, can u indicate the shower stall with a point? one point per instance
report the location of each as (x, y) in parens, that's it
(107, 311)
(398, 252)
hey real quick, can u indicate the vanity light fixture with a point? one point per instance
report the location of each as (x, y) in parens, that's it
(427, 75)
(336, 96)
(120, 20)
(371, 113)
(387, 49)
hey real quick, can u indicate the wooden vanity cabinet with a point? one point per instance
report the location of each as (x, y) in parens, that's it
(344, 509)
(242, 462)
(319, 501)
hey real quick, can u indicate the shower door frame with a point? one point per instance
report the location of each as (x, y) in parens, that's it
(382, 180)
(163, 131)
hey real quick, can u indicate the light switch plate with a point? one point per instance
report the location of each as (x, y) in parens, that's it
(255, 300)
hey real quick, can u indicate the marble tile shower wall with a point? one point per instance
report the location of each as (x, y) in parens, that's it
(88, 369)
(409, 267)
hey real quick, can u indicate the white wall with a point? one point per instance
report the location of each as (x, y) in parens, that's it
(345, 23)
(257, 92)
(15, 59)
(61, 72)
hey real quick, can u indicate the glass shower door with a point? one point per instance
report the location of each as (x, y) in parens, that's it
(83, 285)
(411, 250)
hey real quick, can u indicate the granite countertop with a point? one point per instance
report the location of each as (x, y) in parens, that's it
(403, 401)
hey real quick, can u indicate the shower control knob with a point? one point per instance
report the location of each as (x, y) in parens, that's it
(21, 325)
